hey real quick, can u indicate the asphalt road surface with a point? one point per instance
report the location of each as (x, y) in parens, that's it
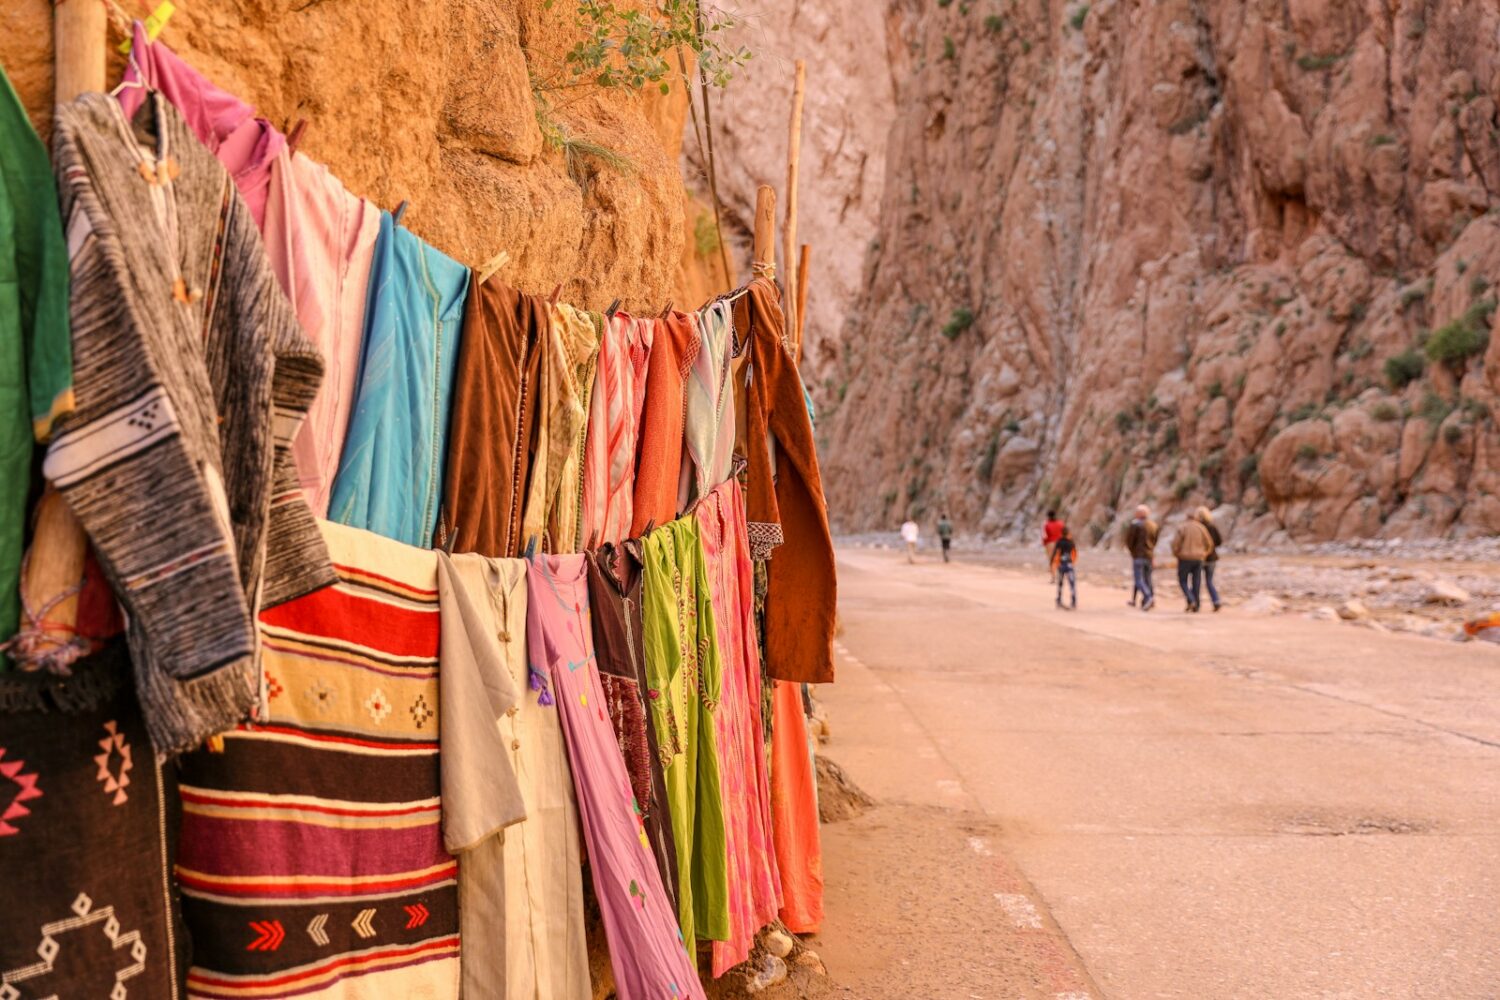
(1109, 805)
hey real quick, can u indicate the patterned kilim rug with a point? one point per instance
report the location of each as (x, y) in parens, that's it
(312, 861)
(86, 901)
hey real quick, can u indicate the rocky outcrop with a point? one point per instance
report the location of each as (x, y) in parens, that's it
(847, 114)
(1181, 252)
(432, 103)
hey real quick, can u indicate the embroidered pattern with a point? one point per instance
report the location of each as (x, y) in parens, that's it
(53, 939)
(321, 695)
(26, 783)
(378, 705)
(114, 763)
(420, 711)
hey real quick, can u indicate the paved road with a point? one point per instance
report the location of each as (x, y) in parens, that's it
(1211, 806)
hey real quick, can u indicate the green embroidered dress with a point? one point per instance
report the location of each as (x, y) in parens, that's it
(684, 671)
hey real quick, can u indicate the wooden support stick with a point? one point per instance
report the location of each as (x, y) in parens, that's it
(765, 229)
(78, 33)
(789, 232)
(802, 272)
(59, 546)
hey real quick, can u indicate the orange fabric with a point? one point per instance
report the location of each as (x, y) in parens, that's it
(785, 504)
(794, 813)
(658, 456)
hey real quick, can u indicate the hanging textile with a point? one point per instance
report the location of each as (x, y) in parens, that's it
(619, 648)
(561, 410)
(646, 949)
(520, 896)
(86, 842)
(683, 668)
(321, 241)
(614, 414)
(708, 437)
(658, 462)
(580, 333)
(247, 146)
(785, 498)
(753, 881)
(312, 855)
(794, 813)
(191, 378)
(390, 477)
(494, 420)
(36, 361)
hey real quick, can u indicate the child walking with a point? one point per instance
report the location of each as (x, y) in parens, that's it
(1064, 558)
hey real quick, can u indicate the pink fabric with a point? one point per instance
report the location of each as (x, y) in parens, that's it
(744, 779)
(646, 948)
(247, 146)
(321, 239)
(614, 420)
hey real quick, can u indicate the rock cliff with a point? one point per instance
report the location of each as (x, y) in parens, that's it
(432, 103)
(1183, 252)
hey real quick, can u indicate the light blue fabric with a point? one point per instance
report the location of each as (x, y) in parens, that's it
(390, 478)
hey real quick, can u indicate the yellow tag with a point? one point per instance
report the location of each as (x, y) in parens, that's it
(154, 23)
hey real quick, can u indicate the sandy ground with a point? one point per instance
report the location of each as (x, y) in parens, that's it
(1105, 804)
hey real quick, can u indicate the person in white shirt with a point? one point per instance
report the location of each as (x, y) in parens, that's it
(911, 534)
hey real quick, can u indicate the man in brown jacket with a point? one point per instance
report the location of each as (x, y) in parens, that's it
(1191, 545)
(1140, 542)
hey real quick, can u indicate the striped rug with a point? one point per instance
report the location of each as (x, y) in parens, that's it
(312, 862)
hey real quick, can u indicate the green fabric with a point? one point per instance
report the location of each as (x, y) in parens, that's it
(685, 674)
(36, 359)
(945, 528)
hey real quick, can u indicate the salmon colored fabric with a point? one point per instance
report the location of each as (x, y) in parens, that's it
(658, 458)
(493, 430)
(785, 505)
(794, 813)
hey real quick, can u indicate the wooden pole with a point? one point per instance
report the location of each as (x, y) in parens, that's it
(789, 232)
(803, 268)
(59, 546)
(78, 36)
(765, 229)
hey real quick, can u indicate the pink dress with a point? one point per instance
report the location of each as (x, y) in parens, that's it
(754, 882)
(646, 949)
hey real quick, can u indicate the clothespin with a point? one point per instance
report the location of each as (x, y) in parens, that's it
(492, 265)
(295, 136)
(614, 307)
(154, 23)
(531, 547)
(555, 293)
(668, 310)
(400, 211)
(593, 540)
(651, 524)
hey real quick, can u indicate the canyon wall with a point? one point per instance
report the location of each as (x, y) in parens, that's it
(433, 103)
(1182, 252)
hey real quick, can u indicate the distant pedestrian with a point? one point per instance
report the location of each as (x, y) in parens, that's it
(945, 534)
(911, 535)
(1140, 542)
(1064, 561)
(1051, 531)
(1206, 516)
(1191, 545)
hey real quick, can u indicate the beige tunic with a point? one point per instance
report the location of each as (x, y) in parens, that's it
(520, 893)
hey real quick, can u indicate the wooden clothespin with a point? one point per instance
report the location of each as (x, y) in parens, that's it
(668, 310)
(531, 547)
(650, 526)
(492, 265)
(593, 540)
(555, 293)
(294, 138)
(614, 307)
(399, 212)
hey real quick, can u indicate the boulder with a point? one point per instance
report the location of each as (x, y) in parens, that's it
(1262, 603)
(1353, 610)
(1446, 593)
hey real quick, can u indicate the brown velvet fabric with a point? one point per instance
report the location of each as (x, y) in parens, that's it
(785, 507)
(619, 649)
(658, 457)
(492, 435)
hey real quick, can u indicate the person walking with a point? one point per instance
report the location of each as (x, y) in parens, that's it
(1051, 531)
(1191, 545)
(1206, 516)
(945, 534)
(1064, 559)
(911, 534)
(1140, 541)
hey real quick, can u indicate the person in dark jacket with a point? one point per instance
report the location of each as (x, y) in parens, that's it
(1140, 542)
(1211, 563)
(1064, 560)
(945, 534)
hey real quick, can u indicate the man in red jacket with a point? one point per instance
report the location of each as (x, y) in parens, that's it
(1051, 532)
